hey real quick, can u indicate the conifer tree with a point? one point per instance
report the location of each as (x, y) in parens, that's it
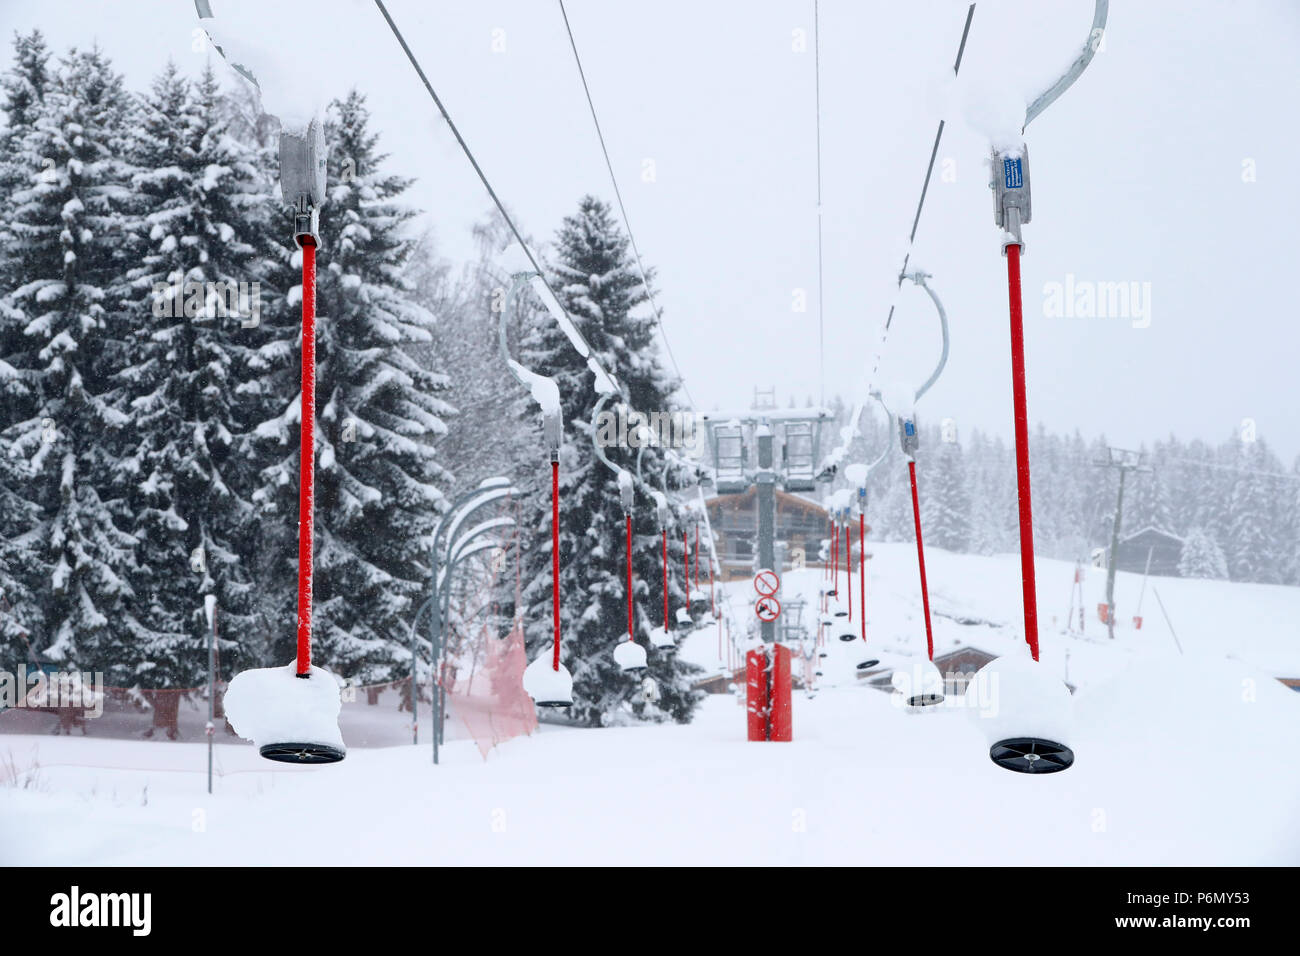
(66, 242)
(597, 283)
(199, 205)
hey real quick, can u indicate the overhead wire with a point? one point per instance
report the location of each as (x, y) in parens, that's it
(856, 414)
(817, 95)
(586, 350)
(622, 208)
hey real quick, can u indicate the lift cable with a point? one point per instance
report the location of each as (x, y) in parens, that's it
(929, 169)
(627, 224)
(856, 414)
(817, 95)
(496, 200)
(572, 332)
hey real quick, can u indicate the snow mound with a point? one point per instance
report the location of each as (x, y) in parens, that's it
(545, 684)
(1186, 710)
(1015, 696)
(251, 35)
(272, 705)
(630, 656)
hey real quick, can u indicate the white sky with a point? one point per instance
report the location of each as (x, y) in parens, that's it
(1137, 176)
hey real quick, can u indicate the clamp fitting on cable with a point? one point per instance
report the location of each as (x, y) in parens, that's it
(1009, 180)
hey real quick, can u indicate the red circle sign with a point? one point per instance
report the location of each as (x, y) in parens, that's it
(767, 608)
(767, 582)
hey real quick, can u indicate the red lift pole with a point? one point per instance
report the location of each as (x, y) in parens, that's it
(555, 560)
(920, 560)
(697, 555)
(629, 578)
(862, 573)
(307, 452)
(848, 567)
(665, 541)
(1022, 449)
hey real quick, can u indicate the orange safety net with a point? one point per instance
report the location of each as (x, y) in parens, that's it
(490, 699)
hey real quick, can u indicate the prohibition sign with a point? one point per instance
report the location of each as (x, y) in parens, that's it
(767, 608)
(767, 582)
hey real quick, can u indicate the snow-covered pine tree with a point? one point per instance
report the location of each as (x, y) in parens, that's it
(486, 437)
(597, 283)
(945, 503)
(23, 90)
(1202, 557)
(1254, 506)
(200, 208)
(66, 233)
(378, 481)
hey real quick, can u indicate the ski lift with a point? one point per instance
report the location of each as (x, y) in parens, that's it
(867, 664)
(926, 682)
(1030, 728)
(291, 713)
(546, 680)
(629, 655)
(661, 639)
(920, 686)
(728, 457)
(799, 449)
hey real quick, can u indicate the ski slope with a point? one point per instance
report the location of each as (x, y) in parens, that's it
(1181, 759)
(1258, 624)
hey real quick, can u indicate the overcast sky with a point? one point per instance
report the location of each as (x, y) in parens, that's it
(1140, 174)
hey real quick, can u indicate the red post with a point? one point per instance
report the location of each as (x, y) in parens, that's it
(920, 560)
(629, 579)
(307, 453)
(780, 724)
(697, 555)
(862, 573)
(1022, 449)
(665, 539)
(756, 698)
(686, 553)
(835, 557)
(555, 559)
(848, 568)
(713, 604)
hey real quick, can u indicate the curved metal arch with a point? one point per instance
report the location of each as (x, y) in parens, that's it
(1076, 68)
(204, 10)
(919, 277)
(552, 425)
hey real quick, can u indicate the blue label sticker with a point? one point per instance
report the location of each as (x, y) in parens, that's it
(909, 428)
(1011, 173)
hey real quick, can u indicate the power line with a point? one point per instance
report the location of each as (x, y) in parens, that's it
(916, 220)
(929, 169)
(817, 86)
(618, 194)
(586, 351)
(469, 154)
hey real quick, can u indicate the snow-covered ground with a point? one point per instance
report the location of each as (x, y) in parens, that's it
(1181, 759)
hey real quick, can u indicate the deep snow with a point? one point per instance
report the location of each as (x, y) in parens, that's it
(1180, 760)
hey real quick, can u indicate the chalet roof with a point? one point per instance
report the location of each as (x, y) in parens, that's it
(1151, 529)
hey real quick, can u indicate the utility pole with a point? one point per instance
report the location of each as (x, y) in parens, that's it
(1124, 461)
